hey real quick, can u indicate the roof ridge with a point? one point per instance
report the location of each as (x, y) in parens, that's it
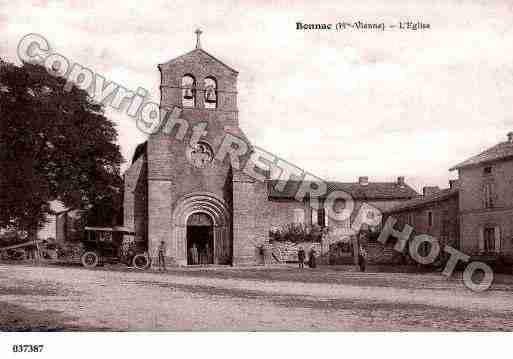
(414, 202)
(202, 51)
(493, 153)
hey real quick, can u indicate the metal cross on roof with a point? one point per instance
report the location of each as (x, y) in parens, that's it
(198, 34)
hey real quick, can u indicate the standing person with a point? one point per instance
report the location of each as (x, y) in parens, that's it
(194, 254)
(312, 263)
(301, 257)
(161, 256)
(130, 254)
(207, 254)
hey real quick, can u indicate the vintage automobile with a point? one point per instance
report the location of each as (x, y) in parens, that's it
(104, 245)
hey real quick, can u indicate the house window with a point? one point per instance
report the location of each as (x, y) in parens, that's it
(210, 93)
(487, 170)
(444, 231)
(299, 215)
(430, 219)
(410, 219)
(488, 195)
(321, 217)
(188, 91)
(489, 239)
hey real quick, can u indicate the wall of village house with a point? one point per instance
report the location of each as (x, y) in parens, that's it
(472, 182)
(472, 225)
(475, 217)
(445, 220)
(275, 213)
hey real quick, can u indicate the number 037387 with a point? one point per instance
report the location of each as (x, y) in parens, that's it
(27, 348)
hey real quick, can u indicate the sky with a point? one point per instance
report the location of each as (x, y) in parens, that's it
(339, 105)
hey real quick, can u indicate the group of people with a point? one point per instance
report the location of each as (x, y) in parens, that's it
(301, 256)
(197, 256)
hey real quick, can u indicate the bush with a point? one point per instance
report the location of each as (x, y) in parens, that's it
(296, 233)
(11, 237)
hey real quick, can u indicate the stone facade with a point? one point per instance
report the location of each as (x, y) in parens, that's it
(435, 213)
(175, 176)
(486, 202)
(475, 214)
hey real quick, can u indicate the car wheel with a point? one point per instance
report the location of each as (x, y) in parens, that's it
(90, 259)
(141, 262)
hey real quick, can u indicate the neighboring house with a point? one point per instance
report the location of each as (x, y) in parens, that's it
(486, 200)
(175, 194)
(436, 213)
(382, 195)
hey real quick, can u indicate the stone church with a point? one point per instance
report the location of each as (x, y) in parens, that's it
(176, 193)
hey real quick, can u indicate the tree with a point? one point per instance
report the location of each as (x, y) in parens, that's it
(54, 145)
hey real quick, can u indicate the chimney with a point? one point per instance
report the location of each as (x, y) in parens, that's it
(363, 180)
(454, 184)
(430, 190)
(400, 181)
(510, 137)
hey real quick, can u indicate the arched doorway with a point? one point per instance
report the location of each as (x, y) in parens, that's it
(200, 239)
(220, 216)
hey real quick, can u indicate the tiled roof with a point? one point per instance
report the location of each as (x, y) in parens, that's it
(423, 200)
(500, 151)
(373, 190)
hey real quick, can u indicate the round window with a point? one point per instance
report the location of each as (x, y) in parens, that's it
(200, 155)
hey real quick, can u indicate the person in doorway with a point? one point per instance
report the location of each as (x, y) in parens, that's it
(301, 257)
(130, 254)
(362, 258)
(207, 254)
(193, 252)
(161, 256)
(312, 262)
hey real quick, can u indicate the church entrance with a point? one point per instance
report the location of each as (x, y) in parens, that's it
(200, 239)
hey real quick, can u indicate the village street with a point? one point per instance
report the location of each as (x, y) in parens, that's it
(72, 298)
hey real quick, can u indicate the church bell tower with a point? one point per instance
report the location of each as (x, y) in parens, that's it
(190, 195)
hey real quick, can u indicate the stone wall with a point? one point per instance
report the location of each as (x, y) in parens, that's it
(287, 251)
(445, 225)
(172, 179)
(135, 205)
(474, 217)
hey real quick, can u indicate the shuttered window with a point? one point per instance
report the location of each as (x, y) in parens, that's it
(299, 215)
(488, 195)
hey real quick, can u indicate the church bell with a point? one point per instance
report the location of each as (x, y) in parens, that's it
(210, 95)
(188, 94)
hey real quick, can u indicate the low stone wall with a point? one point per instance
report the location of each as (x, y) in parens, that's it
(283, 252)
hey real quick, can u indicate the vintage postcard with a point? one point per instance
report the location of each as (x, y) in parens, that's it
(254, 166)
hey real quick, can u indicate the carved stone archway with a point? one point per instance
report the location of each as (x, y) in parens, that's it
(217, 209)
